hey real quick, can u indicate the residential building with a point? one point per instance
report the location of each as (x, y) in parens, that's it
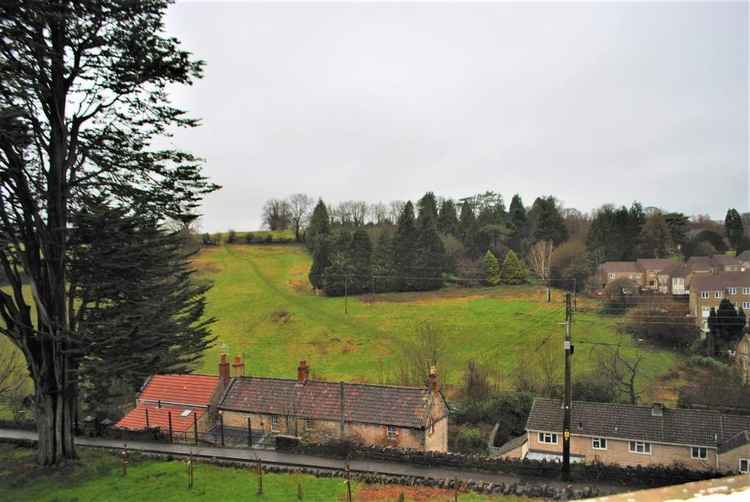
(651, 269)
(406, 417)
(707, 291)
(744, 259)
(613, 270)
(726, 263)
(701, 265)
(742, 358)
(675, 279)
(638, 435)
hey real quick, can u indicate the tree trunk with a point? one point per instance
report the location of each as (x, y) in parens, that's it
(55, 428)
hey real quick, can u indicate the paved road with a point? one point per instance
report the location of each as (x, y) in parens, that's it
(298, 460)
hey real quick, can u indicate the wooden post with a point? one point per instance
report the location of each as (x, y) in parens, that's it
(348, 484)
(221, 427)
(190, 472)
(195, 427)
(455, 492)
(260, 478)
(169, 416)
(249, 433)
(124, 456)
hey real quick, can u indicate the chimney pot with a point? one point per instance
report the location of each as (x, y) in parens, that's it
(303, 372)
(434, 384)
(238, 367)
(224, 369)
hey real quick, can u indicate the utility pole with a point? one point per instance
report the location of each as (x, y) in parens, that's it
(568, 346)
(346, 294)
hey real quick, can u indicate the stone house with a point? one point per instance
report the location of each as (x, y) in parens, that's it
(316, 411)
(638, 435)
(614, 270)
(675, 279)
(652, 268)
(742, 358)
(707, 291)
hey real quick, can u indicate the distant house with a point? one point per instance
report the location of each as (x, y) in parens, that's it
(726, 263)
(652, 268)
(744, 259)
(675, 279)
(707, 291)
(406, 417)
(742, 358)
(182, 399)
(614, 270)
(637, 435)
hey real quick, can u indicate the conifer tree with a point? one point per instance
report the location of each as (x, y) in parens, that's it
(734, 228)
(405, 248)
(519, 223)
(382, 264)
(655, 240)
(513, 271)
(360, 253)
(548, 222)
(431, 256)
(447, 218)
(320, 224)
(321, 261)
(338, 275)
(427, 207)
(490, 269)
(468, 229)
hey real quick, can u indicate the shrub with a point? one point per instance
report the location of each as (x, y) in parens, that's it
(469, 439)
(231, 237)
(249, 237)
(269, 239)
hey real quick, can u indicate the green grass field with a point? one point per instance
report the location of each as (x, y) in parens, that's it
(98, 477)
(267, 311)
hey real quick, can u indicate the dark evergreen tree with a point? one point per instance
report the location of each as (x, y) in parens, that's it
(548, 222)
(468, 230)
(360, 253)
(519, 223)
(655, 240)
(614, 233)
(734, 228)
(405, 248)
(447, 218)
(140, 310)
(678, 226)
(85, 100)
(431, 256)
(320, 224)
(726, 326)
(427, 207)
(338, 275)
(321, 261)
(382, 264)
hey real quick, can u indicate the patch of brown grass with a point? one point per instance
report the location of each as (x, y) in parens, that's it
(392, 492)
(281, 316)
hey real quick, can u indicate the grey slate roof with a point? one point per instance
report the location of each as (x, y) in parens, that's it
(724, 260)
(620, 267)
(678, 426)
(378, 404)
(655, 264)
(744, 256)
(700, 263)
(720, 281)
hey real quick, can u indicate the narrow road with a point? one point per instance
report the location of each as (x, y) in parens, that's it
(299, 460)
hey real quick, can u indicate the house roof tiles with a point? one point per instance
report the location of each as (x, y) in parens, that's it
(621, 267)
(678, 426)
(721, 280)
(179, 389)
(655, 264)
(379, 404)
(182, 418)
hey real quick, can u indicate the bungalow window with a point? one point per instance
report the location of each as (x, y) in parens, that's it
(746, 291)
(548, 437)
(698, 452)
(732, 291)
(392, 433)
(640, 447)
(717, 294)
(599, 443)
(274, 423)
(745, 465)
(704, 295)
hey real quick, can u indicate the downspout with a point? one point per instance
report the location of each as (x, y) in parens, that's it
(341, 406)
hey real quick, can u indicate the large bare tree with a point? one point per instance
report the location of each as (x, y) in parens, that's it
(540, 258)
(83, 96)
(299, 211)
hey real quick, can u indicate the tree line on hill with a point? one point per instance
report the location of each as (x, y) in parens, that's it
(402, 247)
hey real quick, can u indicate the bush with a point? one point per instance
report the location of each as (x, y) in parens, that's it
(231, 237)
(269, 239)
(665, 326)
(249, 237)
(469, 440)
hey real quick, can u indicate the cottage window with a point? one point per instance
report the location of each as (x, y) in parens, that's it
(698, 452)
(611, 275)
(640, 447)
(599, 443)
(392, 433)
(732, 291)
(745, 465)
(308, 424)
(704, 295)
(746, 291)
(717, 294)
(548, 437)
(275, 423)
(706, 311)
(745, 305)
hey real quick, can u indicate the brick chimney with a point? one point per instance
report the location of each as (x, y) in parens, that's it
(224, 369)
(303, 372)
(238, 367)
(433, 383)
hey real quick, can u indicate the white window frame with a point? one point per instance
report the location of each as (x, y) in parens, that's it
(548, 437)
(645, 447)
(706, 312)
(274, 423)
(698, 452)
(745, 305)
(611, 275)
(746, 291)
(717, 294)
(599, 443)
(746, 470)
(732, 291)
(308, 424)
(705, 295)
(391, 432)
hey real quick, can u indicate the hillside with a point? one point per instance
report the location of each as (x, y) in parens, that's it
(268, 312)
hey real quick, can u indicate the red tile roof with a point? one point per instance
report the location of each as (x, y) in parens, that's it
(179, 389)
(159, 418)
(378, 404)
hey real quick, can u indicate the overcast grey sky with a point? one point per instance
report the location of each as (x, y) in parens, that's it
(592, 103)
